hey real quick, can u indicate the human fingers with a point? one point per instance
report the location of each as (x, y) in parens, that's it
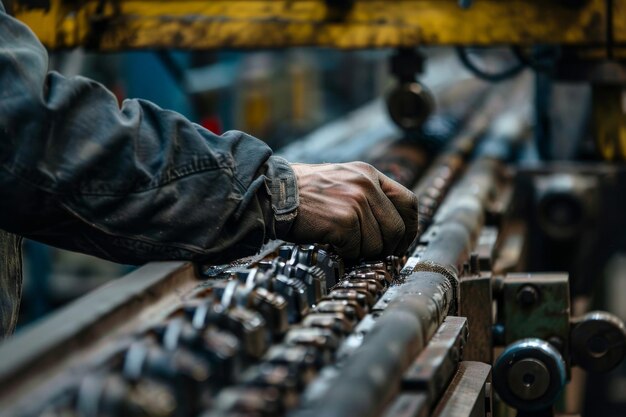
(374, 235)
(346, 234)
(390, 223)
(406, 204)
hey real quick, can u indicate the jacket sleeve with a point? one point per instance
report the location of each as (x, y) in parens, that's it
(129, 184)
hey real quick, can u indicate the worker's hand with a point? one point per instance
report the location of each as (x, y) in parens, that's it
(355, 208)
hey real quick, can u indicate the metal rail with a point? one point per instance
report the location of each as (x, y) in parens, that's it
(122, 24)
(411, 312)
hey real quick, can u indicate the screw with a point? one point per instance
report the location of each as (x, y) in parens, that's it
(527, 296)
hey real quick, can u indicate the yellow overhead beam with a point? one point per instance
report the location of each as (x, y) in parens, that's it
(130, 24)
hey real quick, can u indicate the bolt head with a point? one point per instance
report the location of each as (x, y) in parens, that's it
(527, 296)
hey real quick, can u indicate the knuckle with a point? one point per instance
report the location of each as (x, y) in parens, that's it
(365, 167)
(361, 164)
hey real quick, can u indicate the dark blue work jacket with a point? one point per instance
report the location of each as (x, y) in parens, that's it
(130, 183)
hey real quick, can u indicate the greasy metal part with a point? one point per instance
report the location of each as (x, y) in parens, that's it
(248, 325)
(392, 343)
(264, 401)
(475, 295)
(374, 342)
(45, 346)
(409, 103)
(322, 339)
(431, 372)
(184, 372)
(350, 309)
(305, 358)
(436, 183)
(273, 308)
(467, 394)
(536, 305)
(432, 188)
(221, 349)
(110, 394)
(283, 23)
(313, 255)
(337, 323)
(485, 249)
(363, 299)
(381, 276)
(413, 310)
(446, 245)
(368, 134)
(408, 405)
(426, 295)
(529, 375)
(296, 294)
(529, 379)
(369, 286)
(287, 380)
(598, 341)
(204, 334)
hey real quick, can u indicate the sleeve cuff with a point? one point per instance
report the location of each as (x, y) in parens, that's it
(282, 187)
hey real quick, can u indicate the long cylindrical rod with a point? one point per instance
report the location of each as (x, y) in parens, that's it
(369, 378)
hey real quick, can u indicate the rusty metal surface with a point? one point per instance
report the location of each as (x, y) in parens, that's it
(214, 338)
(434, 367)
(121, 24)
(536, 305)
(50, 353)
(485, 248)
(408, 405)
(46, 345)
(465, 396)
(475, 295)
(397, 336)
(428, 291)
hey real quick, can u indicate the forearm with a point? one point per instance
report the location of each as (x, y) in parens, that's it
(130, 184)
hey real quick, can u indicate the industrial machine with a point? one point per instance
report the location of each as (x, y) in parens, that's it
(478, 319)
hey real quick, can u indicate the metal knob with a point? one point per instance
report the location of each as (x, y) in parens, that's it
(529, 375)
(598, 342)
(410, 104)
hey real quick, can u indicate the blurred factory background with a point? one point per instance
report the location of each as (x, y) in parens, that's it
(318, 104)
(290, 99)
